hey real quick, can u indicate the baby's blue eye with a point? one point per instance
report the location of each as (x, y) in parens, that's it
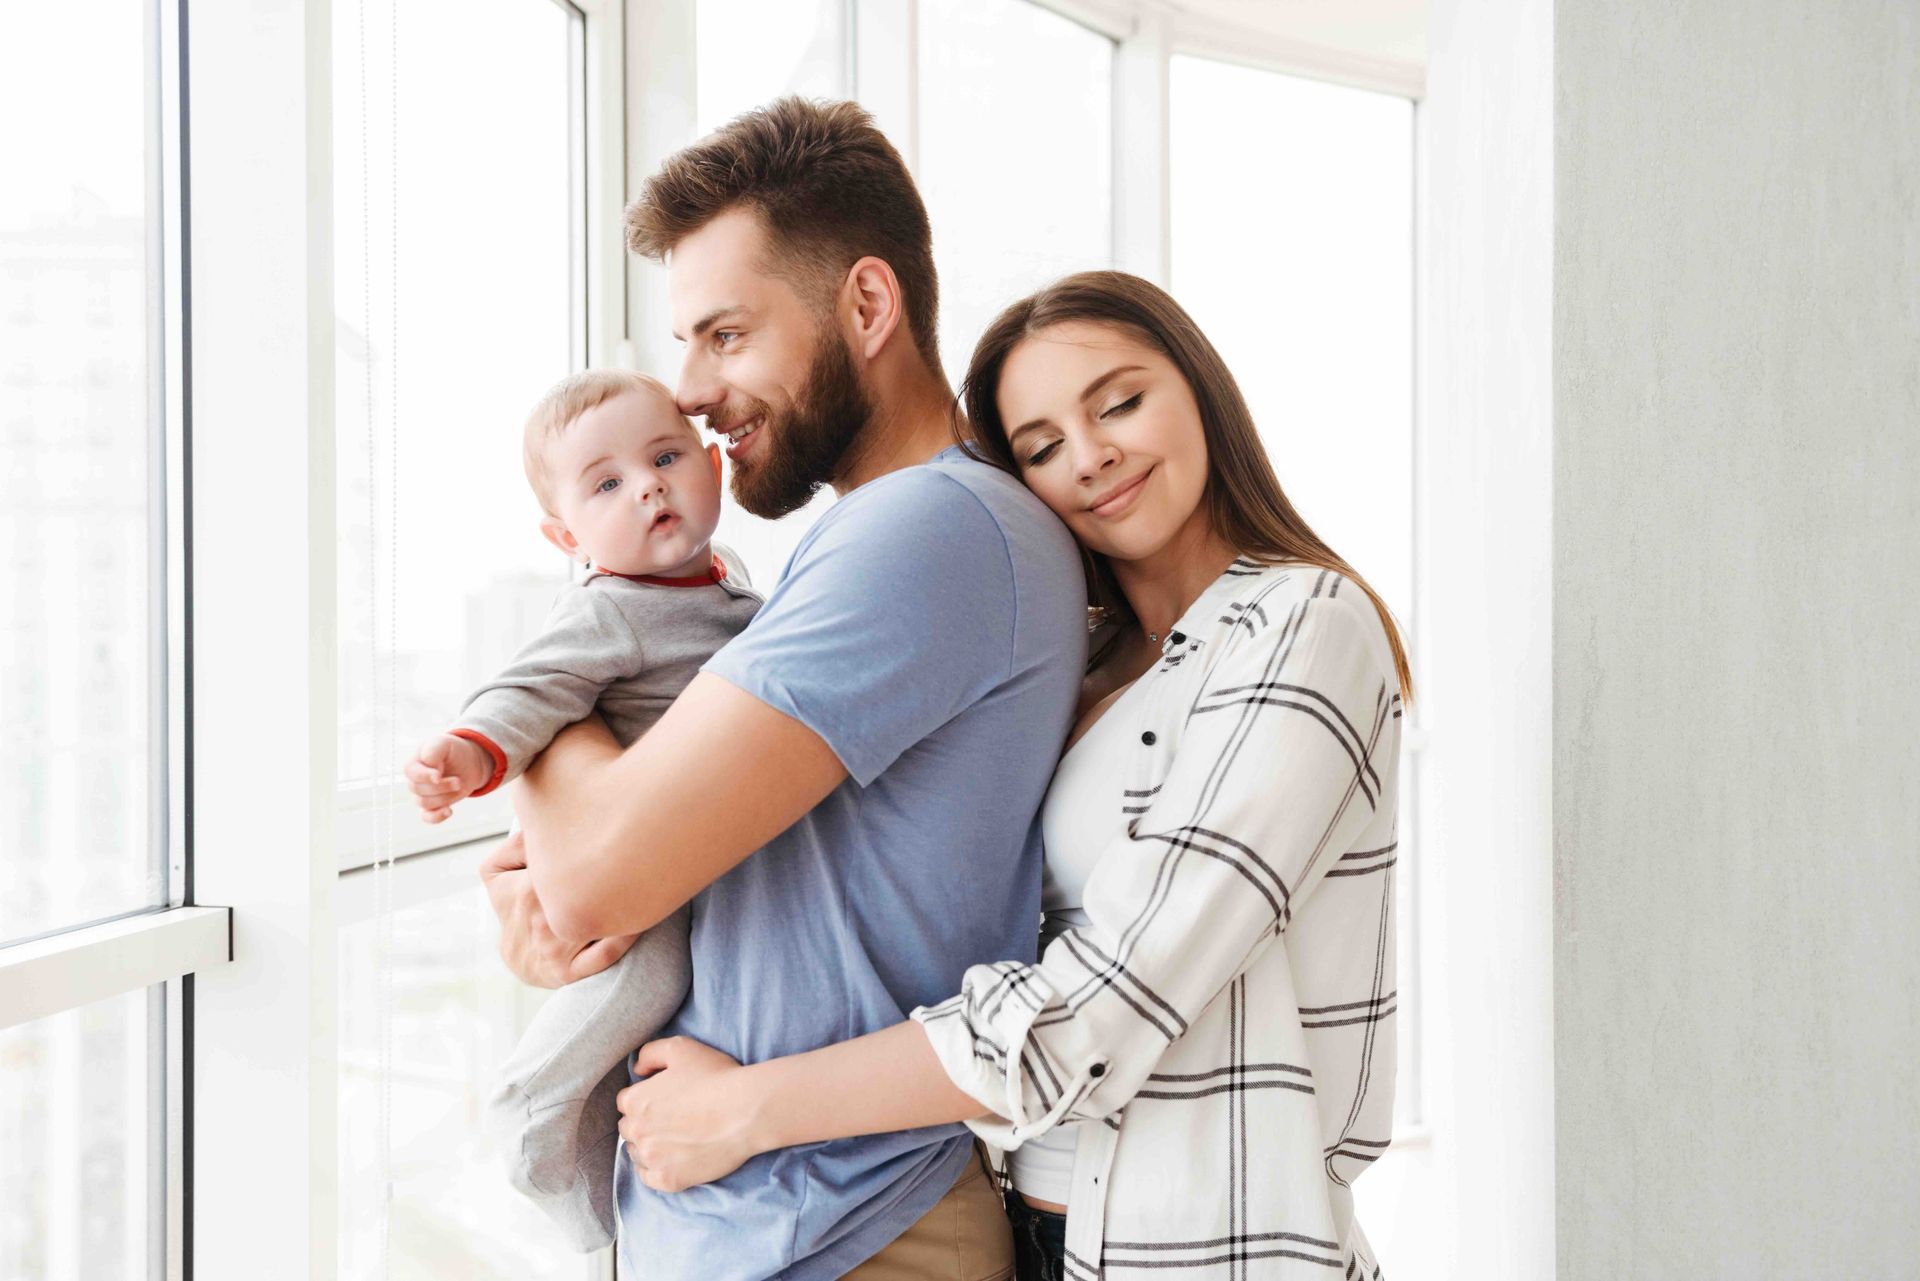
(667, 459)
(607, 486)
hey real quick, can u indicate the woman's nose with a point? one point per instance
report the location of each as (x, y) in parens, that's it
(1093, 456)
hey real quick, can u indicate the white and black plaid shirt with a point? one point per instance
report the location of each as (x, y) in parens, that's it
(1221, 1031)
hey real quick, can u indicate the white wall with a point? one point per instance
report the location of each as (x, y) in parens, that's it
(1737, 539)
(1479, 1202)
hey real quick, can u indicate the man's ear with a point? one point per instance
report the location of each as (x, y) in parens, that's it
(560, 536)
(713, 456)
(878, 306)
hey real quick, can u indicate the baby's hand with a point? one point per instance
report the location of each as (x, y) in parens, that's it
(444, 770)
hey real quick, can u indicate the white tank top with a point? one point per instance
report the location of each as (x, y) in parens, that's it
(1080, 819)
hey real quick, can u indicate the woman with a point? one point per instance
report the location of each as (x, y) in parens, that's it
(1201, 1060)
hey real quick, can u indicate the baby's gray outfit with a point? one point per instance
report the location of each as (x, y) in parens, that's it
(626, 647)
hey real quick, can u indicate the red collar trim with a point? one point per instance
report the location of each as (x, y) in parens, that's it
(716, 573)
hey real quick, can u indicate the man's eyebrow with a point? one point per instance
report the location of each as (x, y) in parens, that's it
(1092, 390)
(713, 318)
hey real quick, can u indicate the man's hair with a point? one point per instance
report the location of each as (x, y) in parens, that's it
(563, 405)
(829, 188)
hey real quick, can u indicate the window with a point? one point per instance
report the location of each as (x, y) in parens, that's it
(83, 1139)
(458, 257)
(456, 1014)
(1297, 261)
(81, 519)
(460, 238)
(1015, 151)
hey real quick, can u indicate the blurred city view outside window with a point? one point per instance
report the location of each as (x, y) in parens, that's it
(82, 438)
(78, 437)
(459, 229)
(1015, 156)
(456, 309)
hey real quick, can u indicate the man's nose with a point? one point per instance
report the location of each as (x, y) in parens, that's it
(699, 393)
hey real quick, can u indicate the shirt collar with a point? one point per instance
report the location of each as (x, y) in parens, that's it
(716, 573)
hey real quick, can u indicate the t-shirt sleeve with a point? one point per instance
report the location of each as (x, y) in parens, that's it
(896, 614)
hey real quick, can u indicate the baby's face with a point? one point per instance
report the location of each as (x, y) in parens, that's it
(633, 487)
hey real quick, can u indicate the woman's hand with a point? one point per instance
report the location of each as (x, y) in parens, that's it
(689, 1122)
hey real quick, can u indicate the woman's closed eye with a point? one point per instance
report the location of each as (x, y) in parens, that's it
(1043, 453)
(1126, 406)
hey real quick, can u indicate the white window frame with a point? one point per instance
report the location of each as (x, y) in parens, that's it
(157, 949)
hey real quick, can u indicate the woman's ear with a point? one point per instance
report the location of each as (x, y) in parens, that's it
(560, 536)
(878, 306)
(713, 456)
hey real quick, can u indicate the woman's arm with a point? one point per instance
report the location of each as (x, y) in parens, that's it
(699, 1115)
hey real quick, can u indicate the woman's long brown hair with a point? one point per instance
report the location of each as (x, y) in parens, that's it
(1243, 497)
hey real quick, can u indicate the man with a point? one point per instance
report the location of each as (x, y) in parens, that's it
(851, 787)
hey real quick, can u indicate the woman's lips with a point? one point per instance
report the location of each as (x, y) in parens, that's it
(1117, 501)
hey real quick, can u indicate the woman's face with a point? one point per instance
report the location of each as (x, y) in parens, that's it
(1105, 430)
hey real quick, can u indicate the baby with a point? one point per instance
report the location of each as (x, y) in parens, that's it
(629, 492)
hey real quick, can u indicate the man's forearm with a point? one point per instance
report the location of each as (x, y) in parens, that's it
(616, 840)
(556, 813)
(884, 1081)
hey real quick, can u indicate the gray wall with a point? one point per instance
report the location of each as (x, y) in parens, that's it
(1736, 539)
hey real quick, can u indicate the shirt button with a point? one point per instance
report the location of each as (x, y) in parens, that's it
(1098, 1069)
(1149, 738)
(1178, 638)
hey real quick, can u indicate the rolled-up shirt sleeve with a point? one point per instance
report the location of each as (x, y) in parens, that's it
(1276, 771)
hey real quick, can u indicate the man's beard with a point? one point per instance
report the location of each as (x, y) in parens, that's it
(806, 446)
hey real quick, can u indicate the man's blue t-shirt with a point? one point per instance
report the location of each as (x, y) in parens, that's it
(931, 628)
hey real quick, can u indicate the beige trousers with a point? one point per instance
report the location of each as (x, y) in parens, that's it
(966, 1237)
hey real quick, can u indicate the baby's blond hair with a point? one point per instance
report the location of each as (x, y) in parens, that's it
(570, 398)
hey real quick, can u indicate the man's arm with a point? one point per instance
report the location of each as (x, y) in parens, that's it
(617, 840)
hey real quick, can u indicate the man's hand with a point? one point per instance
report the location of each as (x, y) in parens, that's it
(689, 1122)
(531, 950)
(446, 769)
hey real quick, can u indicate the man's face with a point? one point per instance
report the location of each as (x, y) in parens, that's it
(764, 367)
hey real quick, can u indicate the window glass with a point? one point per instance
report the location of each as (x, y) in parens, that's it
(79, 437)
(753, 51)
(456, 1015)
(457, 306)
(1015, 156)
(1292, 210)
(75, 1113)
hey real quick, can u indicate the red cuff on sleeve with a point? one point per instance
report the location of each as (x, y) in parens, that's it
(493, 750)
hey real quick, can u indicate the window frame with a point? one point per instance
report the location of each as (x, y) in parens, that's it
(156, 948)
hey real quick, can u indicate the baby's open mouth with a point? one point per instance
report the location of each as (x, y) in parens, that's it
(661, 519)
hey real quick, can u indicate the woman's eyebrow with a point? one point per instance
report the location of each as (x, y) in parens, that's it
(1013, 438)
(1093, 388)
